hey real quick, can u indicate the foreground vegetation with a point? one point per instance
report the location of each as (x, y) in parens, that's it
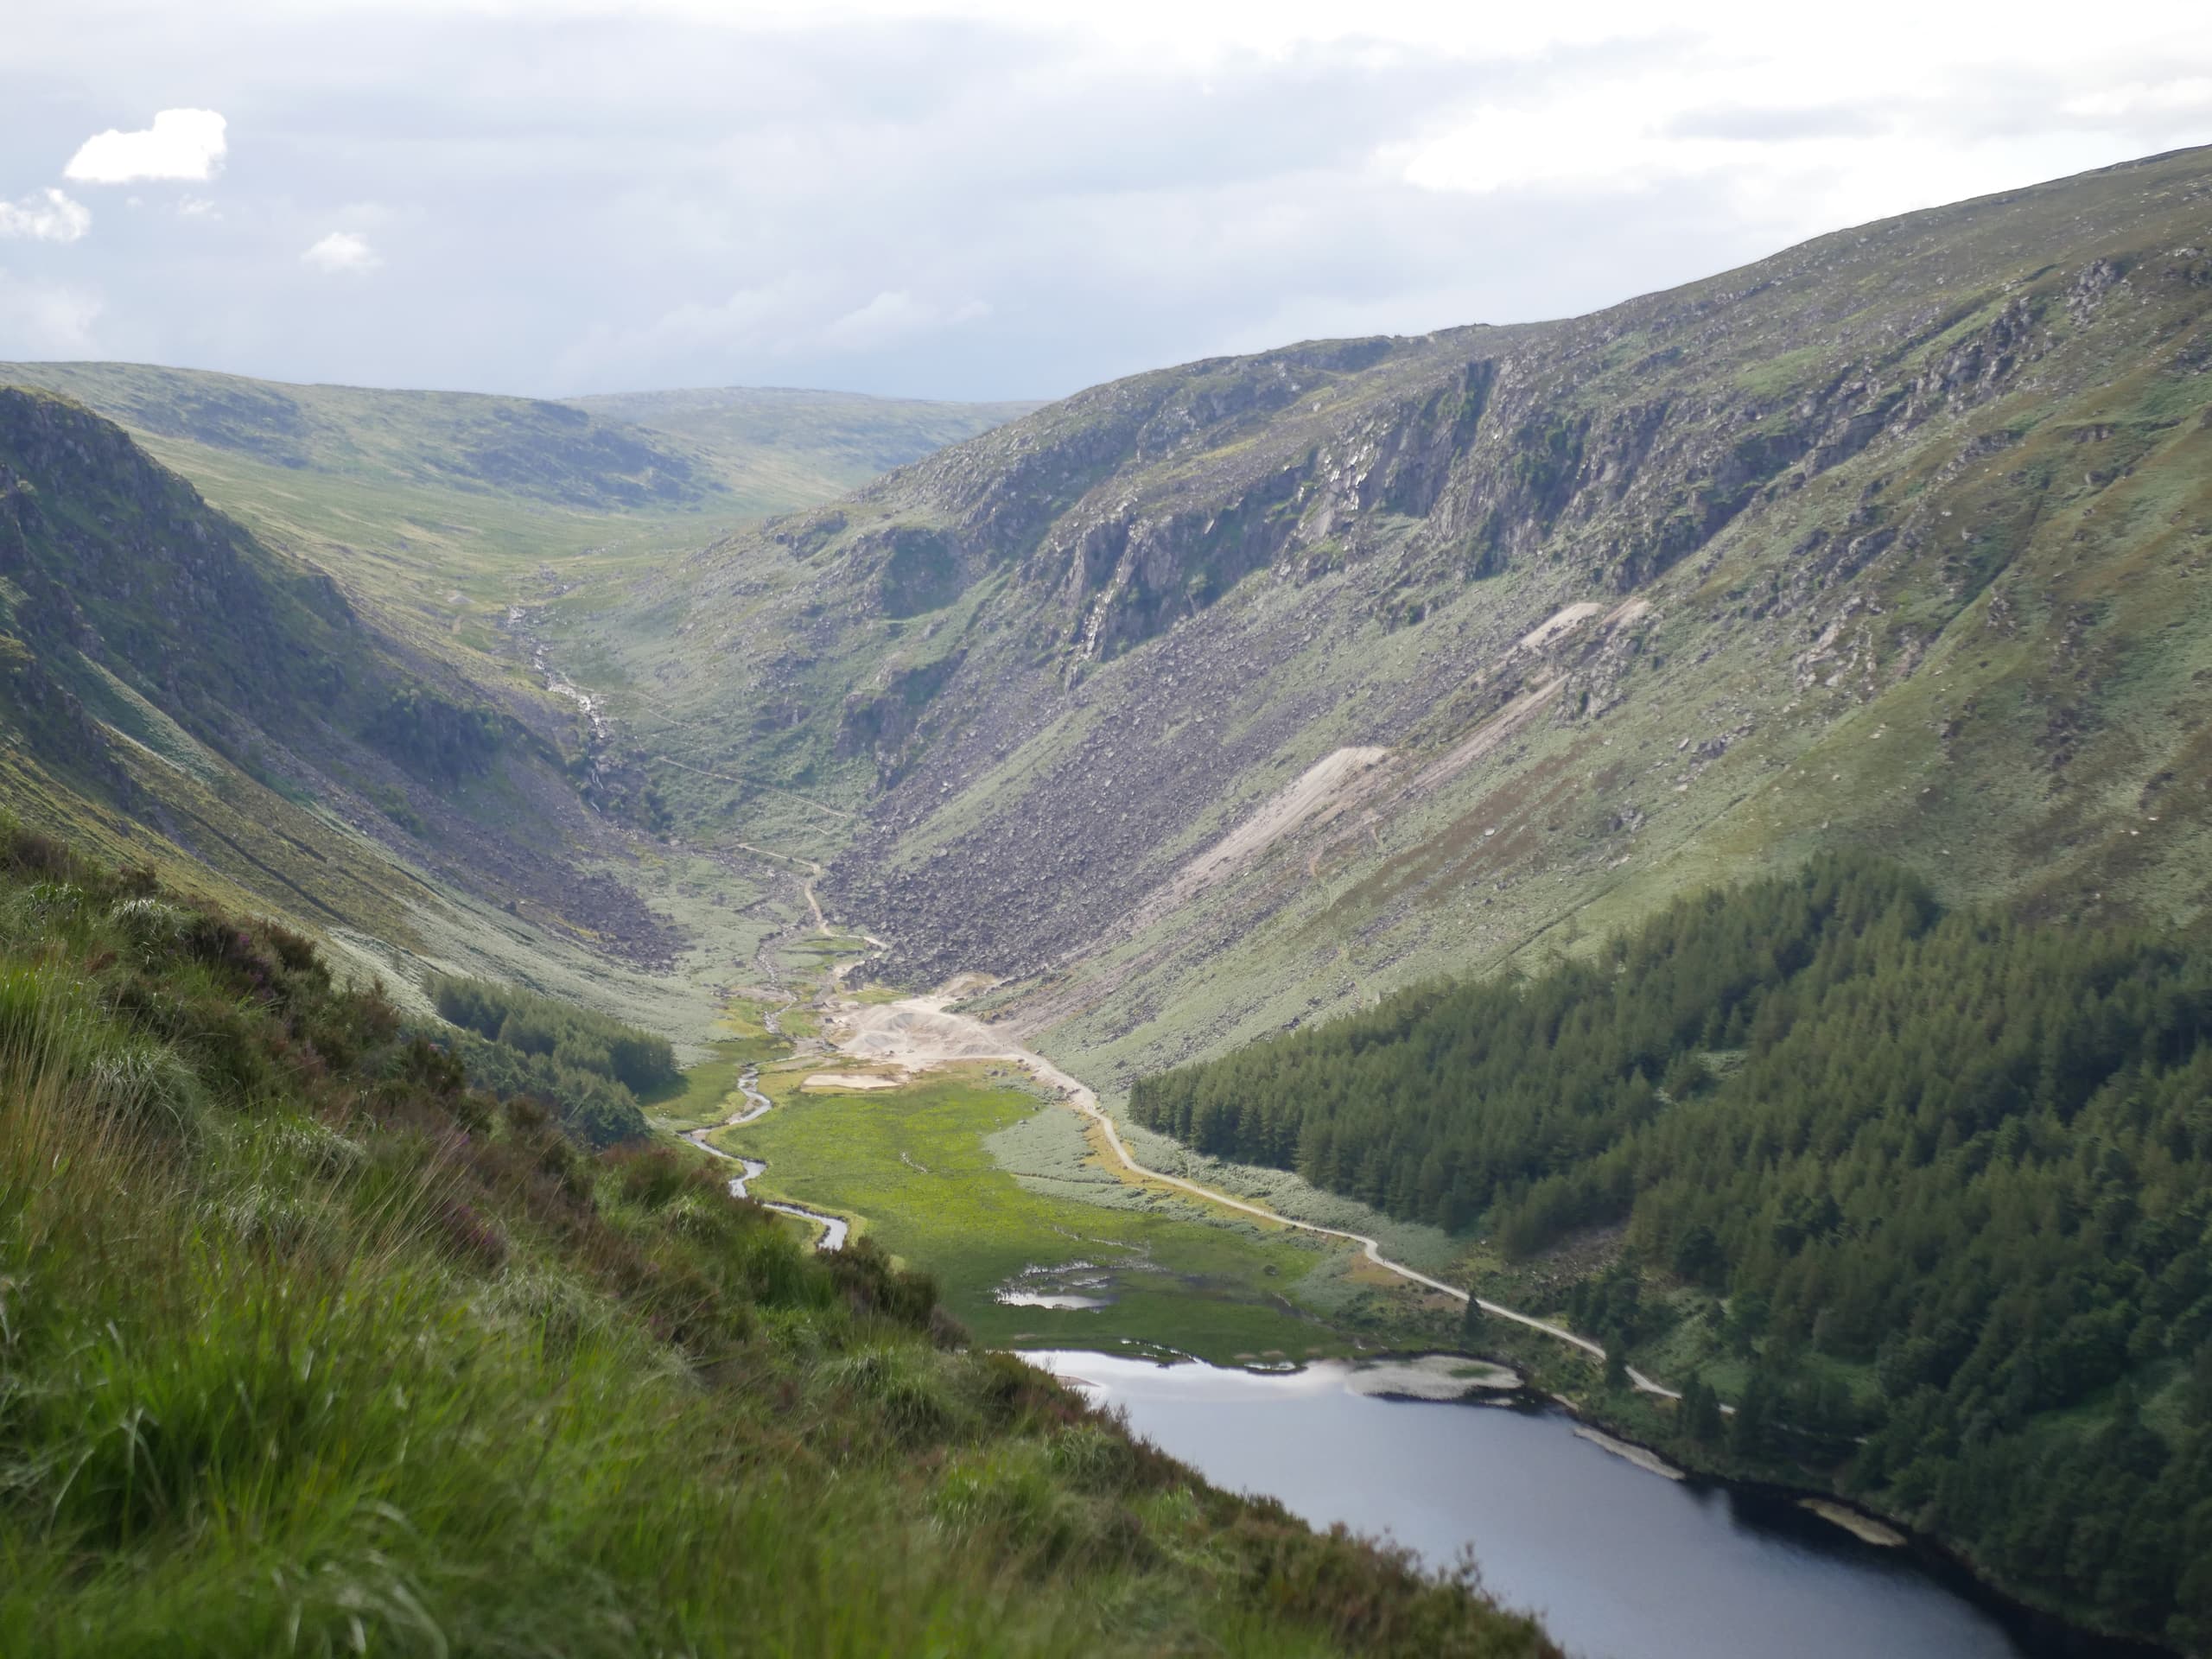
(307, 1347)
(1930, 1193)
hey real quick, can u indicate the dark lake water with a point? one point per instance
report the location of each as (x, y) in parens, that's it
(1620, 1563)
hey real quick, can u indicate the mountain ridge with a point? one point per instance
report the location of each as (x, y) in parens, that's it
(179, 693)
(1348, 543)
(574, 453)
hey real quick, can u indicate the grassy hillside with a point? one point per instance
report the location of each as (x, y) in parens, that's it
(442, 510)
(528, 448)
(310, 1348)
(1899, 536)
(174, 692)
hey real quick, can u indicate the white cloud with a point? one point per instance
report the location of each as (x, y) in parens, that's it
(341, 250)
(758, 326)
(194, 207)
(37, 320)
(752, 325)
(51, 217)
(2185, 94)
(622, 192)
(895, 315)
(1800, 136)
(180, 144)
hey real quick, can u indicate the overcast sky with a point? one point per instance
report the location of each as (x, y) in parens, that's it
(978, 199)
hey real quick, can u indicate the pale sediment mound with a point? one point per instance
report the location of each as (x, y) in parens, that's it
(1650, 1461)
(848, 1080)
(1863, 1528)
(1430, 1377)
(1560, 623)
(1485, 737)
(1322, 791)
(916, 1034)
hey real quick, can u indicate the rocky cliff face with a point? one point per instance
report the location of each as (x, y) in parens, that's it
(1131, 507)
(1921, 484)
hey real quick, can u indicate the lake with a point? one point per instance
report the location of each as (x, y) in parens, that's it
(1619, 1563)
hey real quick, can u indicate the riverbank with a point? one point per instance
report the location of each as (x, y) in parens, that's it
(835, 1229)
(2055, 1627)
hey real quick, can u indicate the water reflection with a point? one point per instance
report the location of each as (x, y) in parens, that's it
(1619, 1563)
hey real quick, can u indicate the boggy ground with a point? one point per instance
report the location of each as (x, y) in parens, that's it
(955, 1159)
(965, 1172)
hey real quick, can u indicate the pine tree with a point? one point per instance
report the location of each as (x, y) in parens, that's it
(1748, 1434)
(1474, 1325)
(1700, 1411)
(1967, 1151)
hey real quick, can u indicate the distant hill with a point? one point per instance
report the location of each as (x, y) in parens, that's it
(175, 693)
(1215, 698)
(778, 448)
(440, 510)
(550, 453)
(733, 452)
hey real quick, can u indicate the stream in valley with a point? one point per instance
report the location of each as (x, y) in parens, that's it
(1619, 1563)
(834, 1228)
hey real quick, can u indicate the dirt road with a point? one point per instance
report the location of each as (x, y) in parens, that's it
(920, 1033)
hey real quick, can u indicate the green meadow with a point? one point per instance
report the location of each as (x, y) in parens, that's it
(969, 1174)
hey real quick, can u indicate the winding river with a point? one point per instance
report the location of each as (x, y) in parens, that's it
(1620, 1563)
(834, 1228)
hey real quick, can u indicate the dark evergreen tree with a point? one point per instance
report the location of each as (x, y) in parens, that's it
(1969, 1152)
(1701, 1419)
(1474, 1325)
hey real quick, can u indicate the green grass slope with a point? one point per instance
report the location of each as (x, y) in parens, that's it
(443, 512)
(529, 448)
(998, 1193)
(174, 692)
(1899, 536)
(308, 1348)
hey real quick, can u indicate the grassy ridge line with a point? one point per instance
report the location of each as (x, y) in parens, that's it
(525, 449)
(441, 509)
(732, 453)
(308, 1347)
(778, 450)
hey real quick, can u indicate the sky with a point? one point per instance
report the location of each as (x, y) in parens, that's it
(979, 199)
